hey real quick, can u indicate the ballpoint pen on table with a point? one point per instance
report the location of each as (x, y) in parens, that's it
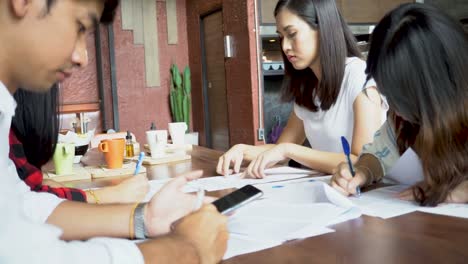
(139, 162)
(347, 152)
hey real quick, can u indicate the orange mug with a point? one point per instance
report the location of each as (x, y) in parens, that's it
(113, 150)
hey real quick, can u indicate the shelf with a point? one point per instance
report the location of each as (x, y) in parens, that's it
(77, 108)
(273, 72)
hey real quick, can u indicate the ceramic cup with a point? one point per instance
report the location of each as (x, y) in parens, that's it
(177, 131)
(63, 158)
(191, 138)
(157, 141)
(113, 150)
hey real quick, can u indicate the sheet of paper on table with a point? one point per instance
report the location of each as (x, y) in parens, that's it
(287, 211)
(301, 206)
(232, 181)
(383, 203)
(235, 180)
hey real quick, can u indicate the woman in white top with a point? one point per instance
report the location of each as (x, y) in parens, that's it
(325, 78)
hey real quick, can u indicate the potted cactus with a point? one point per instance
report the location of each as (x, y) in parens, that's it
(180, 95)
(180, 100)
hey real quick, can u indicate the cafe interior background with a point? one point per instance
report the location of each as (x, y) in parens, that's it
(232, 50)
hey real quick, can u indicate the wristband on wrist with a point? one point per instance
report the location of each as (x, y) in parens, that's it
(370, 174)
(139, 222)
(131, 226)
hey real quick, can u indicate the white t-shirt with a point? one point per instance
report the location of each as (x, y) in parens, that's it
(324, 129)
(24, 237)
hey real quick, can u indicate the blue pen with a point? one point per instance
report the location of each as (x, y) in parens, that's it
(139, 162)
(347, 152)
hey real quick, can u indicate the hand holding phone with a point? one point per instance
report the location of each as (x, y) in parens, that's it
(237, 199)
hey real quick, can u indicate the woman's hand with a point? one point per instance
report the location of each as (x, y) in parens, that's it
(459, 194)
(266, 160)
(344, 182)
(233, 157)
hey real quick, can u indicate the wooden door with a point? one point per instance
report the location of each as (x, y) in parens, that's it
(214, 85)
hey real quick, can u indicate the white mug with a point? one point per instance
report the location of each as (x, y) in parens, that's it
(177, 132)
(191, 138)
(157, 141)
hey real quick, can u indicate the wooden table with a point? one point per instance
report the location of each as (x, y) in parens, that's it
(412, 238)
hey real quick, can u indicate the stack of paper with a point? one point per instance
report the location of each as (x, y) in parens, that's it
(288, 210)
(384, 202)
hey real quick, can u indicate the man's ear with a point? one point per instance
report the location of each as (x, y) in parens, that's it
(20, 8)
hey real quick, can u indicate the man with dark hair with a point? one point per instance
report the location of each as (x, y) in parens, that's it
(40, 48)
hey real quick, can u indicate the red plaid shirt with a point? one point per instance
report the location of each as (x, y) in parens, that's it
(32, 176)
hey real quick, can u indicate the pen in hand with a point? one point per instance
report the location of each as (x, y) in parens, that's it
(347, 152)
(139, 162)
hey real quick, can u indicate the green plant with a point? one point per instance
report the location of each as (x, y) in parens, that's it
(180, 95)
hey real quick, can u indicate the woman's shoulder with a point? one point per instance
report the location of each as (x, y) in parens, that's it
(355, 64)
(355, 73)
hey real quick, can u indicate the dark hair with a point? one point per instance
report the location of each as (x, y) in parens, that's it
(107, 14)
(336, 43)
(418, 58)
(36, 124)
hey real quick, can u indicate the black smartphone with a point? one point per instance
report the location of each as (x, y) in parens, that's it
(237, 199)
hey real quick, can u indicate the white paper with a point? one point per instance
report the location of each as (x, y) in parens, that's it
(318, 214)
(264, 228)
(235, 180)
(456, 210)
(156, 185)
(288, 170)
(383, 202)
(407, 170)
(300, 191)
(232, 181)
(239, 245)
(296, 210)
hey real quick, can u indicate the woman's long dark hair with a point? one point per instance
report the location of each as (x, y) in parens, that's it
(336, 43)
(419, 59)
(36, 124)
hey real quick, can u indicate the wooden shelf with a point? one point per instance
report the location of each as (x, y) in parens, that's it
(78, 108)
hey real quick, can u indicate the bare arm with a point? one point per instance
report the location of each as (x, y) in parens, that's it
(200, 237)
(311, 158)
(81, 221)
(169, 249)
(370, 167)
(367, 119)
(292, 133)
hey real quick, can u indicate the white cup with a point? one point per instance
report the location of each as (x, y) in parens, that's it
(191, 138)
(177, 132)
(157, 141)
